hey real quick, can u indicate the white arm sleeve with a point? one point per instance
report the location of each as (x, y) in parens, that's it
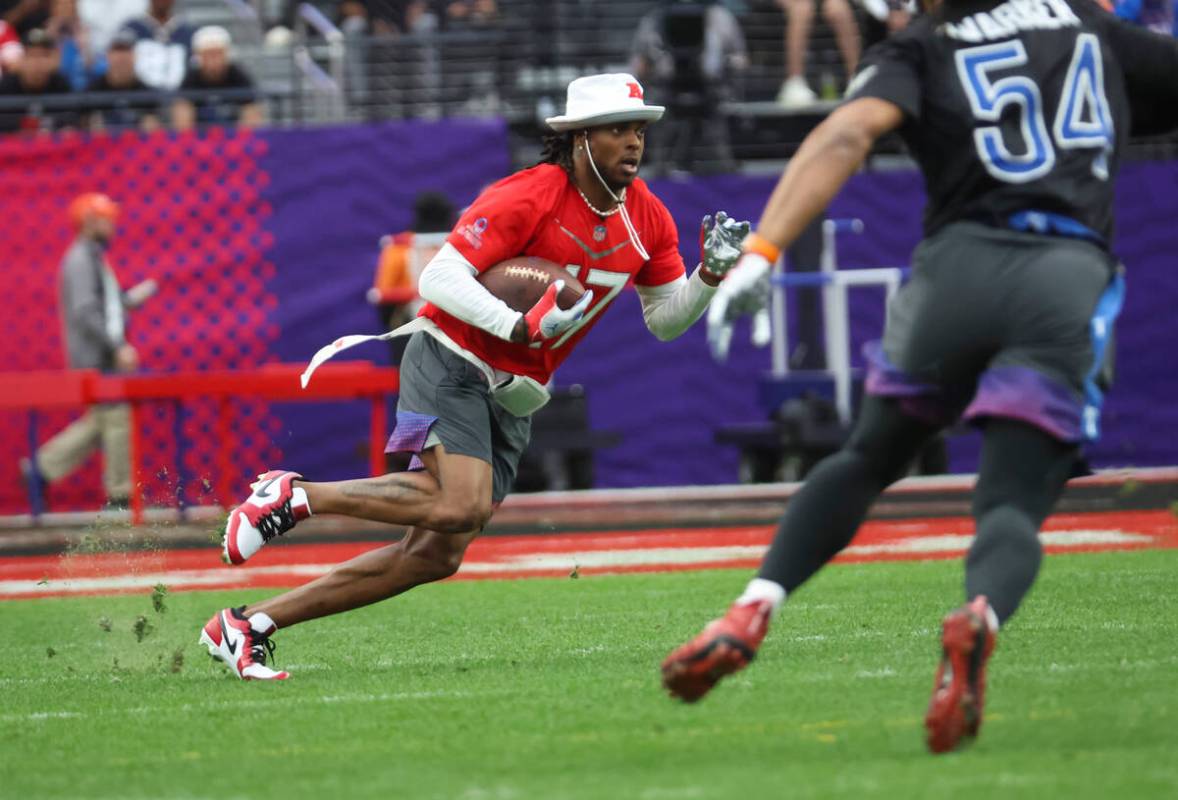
(672, 308)
(448, 281)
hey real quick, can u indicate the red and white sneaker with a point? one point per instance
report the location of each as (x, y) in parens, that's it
(968, 636)
(271, 510)
(725, 646)
(243, 644)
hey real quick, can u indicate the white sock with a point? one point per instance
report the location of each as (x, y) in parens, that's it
(761, 590)
(991, 618)
(261, 622)
(298, 497)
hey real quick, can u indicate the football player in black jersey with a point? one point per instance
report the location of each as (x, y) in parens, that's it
(1017, 113)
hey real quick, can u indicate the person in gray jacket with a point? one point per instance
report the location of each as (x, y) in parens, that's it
(93, 311)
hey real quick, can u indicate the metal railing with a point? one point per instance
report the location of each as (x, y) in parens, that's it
(834, 284)
(325, 89)
(115, 110)
(517, 67)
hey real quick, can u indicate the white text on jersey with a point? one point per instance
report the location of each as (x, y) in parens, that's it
(1006, 20)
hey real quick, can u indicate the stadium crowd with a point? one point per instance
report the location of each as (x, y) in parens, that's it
(140, 64)
(71, 68)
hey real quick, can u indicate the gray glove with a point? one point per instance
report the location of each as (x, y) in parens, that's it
(719, 243)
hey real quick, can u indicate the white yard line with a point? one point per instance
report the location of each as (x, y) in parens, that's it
(255, 703)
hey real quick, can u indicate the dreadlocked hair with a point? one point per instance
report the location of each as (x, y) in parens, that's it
(558, 149)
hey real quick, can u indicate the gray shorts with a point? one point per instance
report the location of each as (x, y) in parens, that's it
(1001, 323)
(444, 399)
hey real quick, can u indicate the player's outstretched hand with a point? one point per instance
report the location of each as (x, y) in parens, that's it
(547, 320)
(744, 291)
(719, 243)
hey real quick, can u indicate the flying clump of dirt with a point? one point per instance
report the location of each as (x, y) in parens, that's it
(158, 593)
(142, 628)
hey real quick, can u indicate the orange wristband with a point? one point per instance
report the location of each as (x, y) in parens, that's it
(755, 243)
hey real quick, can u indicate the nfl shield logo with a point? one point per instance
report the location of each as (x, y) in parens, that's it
(599, 233)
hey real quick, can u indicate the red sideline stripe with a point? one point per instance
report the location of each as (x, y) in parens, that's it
(497, 556)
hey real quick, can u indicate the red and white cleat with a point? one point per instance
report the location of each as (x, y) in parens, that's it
(271, 510)
(238, 642)
(725, 646)
(968, 636)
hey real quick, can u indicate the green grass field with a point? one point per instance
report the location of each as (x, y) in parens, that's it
(549, 689)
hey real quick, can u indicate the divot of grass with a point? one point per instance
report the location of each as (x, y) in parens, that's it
(158, 593)
(142, 628)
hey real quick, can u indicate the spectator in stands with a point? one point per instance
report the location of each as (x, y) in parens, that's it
(393, 17)
(795, 92)
(480, 78)
(25, 15)
(93, 310)
(216, 91)
(38, 74)
(394, 290)
(163, 43)
(104, 18)
(423, 16)
(353, 17)
(133, 103)
(73, 42)
(10, 47)
(882, 18)
(692, 54)
(471, 14)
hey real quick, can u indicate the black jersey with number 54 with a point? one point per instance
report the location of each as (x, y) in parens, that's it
(1022, 105)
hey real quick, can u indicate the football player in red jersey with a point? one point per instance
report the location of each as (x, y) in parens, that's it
(474, 370)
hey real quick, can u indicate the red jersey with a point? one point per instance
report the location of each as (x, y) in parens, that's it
(539, 212)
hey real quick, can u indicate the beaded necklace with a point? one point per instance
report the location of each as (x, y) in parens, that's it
(597, 210)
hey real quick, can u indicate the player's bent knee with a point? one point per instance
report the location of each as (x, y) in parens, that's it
(459, 517)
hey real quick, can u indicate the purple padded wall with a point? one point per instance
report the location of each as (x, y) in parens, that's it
(330, 205)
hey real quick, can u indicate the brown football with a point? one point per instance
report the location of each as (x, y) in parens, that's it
(522, 281)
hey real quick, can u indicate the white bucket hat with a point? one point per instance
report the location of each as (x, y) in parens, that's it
(602, 99)
(211, 37)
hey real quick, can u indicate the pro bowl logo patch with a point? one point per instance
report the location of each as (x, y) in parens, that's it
(473, 232)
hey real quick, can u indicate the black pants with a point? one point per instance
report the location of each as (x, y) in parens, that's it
(1021, 476)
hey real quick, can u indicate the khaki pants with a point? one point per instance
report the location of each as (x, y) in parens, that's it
(107, 426)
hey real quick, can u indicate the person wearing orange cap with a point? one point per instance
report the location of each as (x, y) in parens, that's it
(93, 312)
